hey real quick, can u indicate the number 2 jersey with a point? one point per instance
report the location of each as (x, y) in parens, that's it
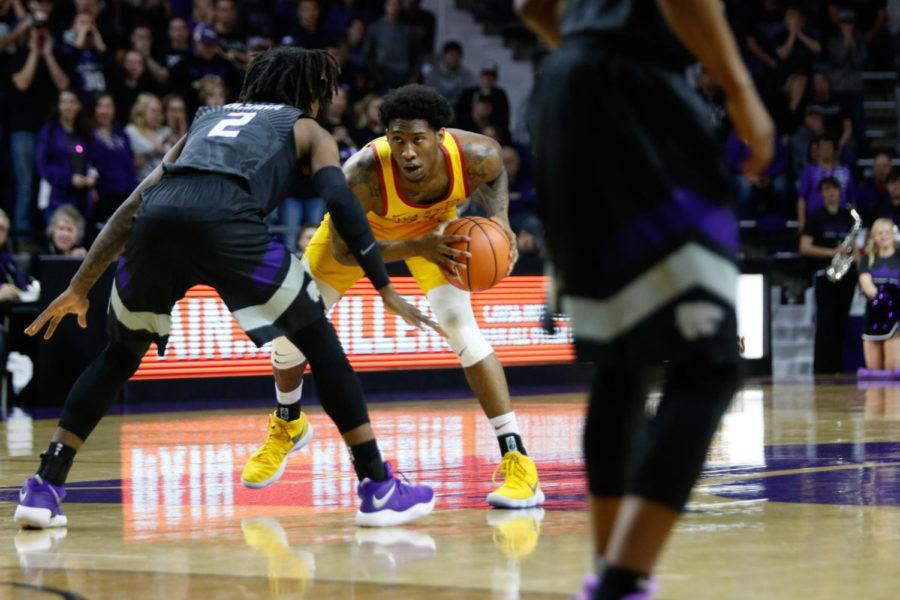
(252, 145)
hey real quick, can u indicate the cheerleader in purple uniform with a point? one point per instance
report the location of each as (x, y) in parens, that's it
(879, 279)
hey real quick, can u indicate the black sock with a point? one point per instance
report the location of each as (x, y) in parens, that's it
(617, 582)
(510, 442)
(288, 412)
(56, 462)
(367, 461)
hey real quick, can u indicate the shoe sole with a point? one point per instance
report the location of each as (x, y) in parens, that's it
(500, 501)
(38, 518)
(391, 518)
(258, 485)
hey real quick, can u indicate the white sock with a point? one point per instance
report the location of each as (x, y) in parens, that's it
(505, 424)
(288, 398)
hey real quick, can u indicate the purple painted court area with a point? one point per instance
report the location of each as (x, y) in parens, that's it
(865, 474)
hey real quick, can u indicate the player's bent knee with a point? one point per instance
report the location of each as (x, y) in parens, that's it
(286, 355)
(453, 309)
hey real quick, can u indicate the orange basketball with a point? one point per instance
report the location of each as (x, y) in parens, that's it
(489, 246)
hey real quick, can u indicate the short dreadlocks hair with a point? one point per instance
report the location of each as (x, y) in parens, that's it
(416, 102)
(291, 76)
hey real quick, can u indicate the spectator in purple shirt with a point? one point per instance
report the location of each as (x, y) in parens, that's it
(759, 194)
(110, 152)
(809, 199)
(62, 158)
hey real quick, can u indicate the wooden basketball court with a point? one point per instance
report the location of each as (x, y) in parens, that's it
(801, 498)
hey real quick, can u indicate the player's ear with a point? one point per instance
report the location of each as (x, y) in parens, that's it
(440, 135)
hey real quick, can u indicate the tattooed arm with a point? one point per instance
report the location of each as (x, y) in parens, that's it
(486, 173)
(106, 248)
(362, 177)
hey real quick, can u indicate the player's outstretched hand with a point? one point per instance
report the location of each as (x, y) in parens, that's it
(67, 303)
(753, 125)
(395, 303)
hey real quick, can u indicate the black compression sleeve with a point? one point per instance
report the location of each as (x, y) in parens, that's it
(351, 223)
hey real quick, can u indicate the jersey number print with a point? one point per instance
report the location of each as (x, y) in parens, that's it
(230, 127)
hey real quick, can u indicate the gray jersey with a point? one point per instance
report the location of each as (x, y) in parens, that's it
(251, 142)
(634, 27)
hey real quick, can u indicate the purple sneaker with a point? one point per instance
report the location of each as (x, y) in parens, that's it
(39, 505)
(392, 502)
(592, 585)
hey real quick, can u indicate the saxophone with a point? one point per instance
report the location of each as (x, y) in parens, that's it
(842, 261)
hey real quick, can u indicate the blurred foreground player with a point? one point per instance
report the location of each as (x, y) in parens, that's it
(643, 247)
(198, 219)
(409, 183)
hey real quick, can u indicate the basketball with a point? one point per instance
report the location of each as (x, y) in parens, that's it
(489, 246)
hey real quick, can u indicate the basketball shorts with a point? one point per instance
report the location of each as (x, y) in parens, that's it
(635, 201)
(173, 248)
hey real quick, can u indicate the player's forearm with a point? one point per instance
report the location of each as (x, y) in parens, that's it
(494, 196)
(390, 250)
(702, 28)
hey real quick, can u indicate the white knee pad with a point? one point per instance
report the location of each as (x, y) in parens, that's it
(453, 309)
(285, 355)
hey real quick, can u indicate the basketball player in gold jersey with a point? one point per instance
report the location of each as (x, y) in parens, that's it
(410, 182)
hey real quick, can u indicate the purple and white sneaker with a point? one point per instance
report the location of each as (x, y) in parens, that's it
(592, 585)
(392, 502)
(39, 505)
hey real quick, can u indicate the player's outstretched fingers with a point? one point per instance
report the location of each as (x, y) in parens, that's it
(54, 323)
(38, 323)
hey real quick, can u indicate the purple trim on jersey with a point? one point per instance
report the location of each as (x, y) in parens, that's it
(265, 274)
(123, 279)
(687, 210)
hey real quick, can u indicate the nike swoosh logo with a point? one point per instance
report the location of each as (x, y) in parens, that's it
(22, 496)
(380, 502)
(534, 488)
(369, 249)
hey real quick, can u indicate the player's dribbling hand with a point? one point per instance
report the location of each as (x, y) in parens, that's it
(395, 303)
(753, 125)
(436, 247)
(67, 303)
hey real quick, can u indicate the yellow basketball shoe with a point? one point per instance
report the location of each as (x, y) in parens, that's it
(520, 488)
(516, 532)
(267, 464)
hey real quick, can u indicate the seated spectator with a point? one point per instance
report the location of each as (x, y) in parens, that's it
(336, 122)
(203, 12)
(847, 55)
(62, 158)
(307, 32)
(142, 43)
(423, 25)
(134, 81)
(352, 77)
(178, 46)
(304, 236)
(66, 232)
(788, 105)
(38, 75)
(821, 240)
(488, 91)
(87, 51)
(450, 77)
(110, 152)
(206, 60)
(872, 194)
(228, 28)
(479, 115)
(391, 53)
(813, 128)
(879, 274)
(891, 210)
(713, 99)
(175, 118)
(838, 123)
(369, 125)
(826, 167)
(762, 194)
(522, 205)
(344, 12)
(14, 282)
(211, 91)
(356, 42)
(256, 46)
(147, 134)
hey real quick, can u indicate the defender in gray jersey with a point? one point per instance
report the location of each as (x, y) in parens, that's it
(634, 199)
(198, 219)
